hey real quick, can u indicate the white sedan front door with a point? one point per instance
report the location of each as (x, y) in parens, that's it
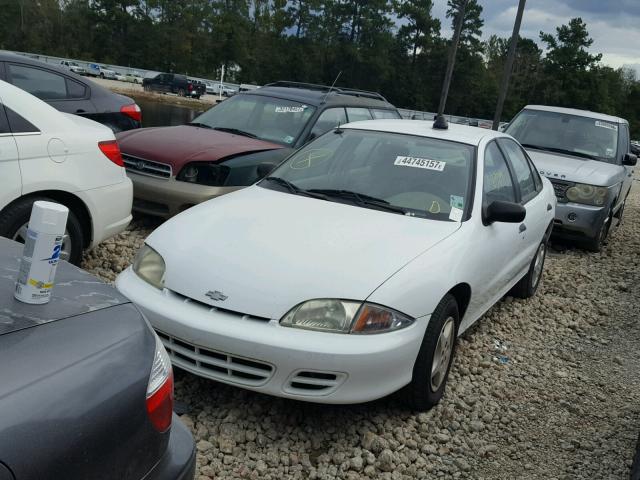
(493, 259)
(533, 228)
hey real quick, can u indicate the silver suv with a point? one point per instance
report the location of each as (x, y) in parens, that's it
(587, 158)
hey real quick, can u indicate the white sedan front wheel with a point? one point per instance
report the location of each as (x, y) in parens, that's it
(431, 370)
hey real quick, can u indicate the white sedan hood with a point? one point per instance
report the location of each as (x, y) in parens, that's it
(266, 251)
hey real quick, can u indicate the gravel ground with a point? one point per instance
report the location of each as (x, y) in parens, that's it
(543, 388)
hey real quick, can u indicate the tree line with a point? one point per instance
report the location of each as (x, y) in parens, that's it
(396, 47)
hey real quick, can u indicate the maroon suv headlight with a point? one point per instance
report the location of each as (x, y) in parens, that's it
(238, 171)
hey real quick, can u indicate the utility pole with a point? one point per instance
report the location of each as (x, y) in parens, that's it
(504, 86)
(221, 86)
(440, 122)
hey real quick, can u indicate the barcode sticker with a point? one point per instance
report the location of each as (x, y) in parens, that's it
(417, 162)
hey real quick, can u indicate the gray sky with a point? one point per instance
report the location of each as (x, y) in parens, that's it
(614, 25)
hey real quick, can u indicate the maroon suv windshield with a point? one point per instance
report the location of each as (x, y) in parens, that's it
(268, 118)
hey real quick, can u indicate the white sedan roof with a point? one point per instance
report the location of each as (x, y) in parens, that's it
(575, 111)
(423, 128)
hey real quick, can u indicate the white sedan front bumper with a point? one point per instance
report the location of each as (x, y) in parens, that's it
(261, 355)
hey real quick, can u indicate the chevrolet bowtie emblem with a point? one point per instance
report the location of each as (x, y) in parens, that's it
(216, 296)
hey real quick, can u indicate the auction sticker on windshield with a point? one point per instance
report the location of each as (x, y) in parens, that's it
(420, 163)
(289, 109)
(610, 126)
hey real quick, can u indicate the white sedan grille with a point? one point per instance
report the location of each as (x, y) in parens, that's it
(216, 365)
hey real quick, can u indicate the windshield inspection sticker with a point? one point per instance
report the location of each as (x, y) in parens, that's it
(290, 109)
(610, 126)
(456, 201)
(455, 214)
(436, 165)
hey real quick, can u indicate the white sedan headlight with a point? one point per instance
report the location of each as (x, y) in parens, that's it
(149, 266)
(344, 316)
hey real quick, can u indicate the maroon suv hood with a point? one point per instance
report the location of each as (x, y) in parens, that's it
(178, 145)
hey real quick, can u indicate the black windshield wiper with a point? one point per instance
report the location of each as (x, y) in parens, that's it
(235, 131)
(360, 199)
(560, 150)
(198, 124)
(294, 188)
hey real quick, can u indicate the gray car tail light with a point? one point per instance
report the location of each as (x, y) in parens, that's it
(160, 389)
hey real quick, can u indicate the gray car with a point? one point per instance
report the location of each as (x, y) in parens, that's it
(587, 158)
(85, 386)
(68, 92)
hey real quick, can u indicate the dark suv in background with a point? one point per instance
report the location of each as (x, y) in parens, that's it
(70, 93)
(235, 143)
(174, 83)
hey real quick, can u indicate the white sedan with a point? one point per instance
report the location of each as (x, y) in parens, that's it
(348, 273)
(49, 155)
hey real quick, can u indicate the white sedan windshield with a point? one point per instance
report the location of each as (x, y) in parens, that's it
(416, 176)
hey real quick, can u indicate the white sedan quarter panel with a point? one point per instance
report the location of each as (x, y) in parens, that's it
(77, 164)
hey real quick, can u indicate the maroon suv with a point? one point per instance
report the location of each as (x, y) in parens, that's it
(233, 144)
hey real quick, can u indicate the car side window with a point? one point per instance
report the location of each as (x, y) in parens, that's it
(381, 113)
(497, 184)
(19, 124)
(625, 144)
(521, 168)
(40, 83)
(330, 118)
(357, 114)
(4, 123)
(536, 176)
(75, 89)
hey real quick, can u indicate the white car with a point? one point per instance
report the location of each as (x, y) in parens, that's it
(73, 66)
(49, 155)
(349, 271)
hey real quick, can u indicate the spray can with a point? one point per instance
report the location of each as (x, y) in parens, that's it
(41, 252)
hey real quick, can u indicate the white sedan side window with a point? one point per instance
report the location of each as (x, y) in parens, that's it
(497, 182)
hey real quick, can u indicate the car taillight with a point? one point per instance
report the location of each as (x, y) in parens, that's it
(160, 390)
(190, 87)
(111, 150)
(133, 111)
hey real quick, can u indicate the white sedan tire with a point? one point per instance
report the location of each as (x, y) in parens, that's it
(528, 285)
(16, 216)
(431, 370)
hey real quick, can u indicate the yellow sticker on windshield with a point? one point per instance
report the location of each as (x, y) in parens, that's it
(435, 207)
(417, 162)
(311, 157)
